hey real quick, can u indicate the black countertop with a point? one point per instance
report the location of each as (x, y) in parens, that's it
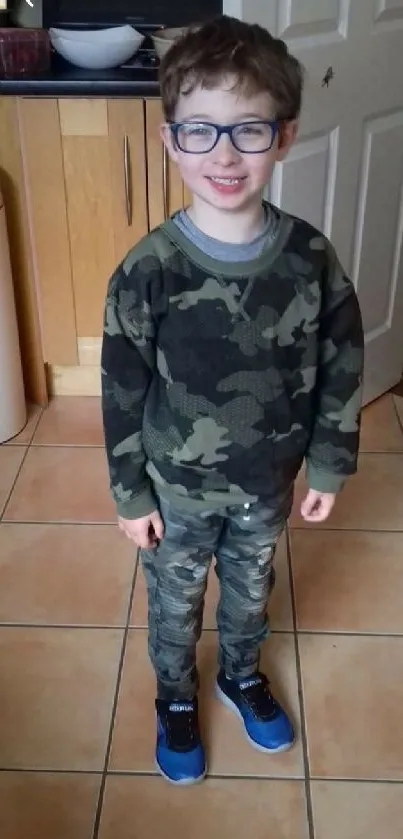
(65, 80)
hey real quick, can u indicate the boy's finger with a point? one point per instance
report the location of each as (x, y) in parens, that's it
(309, 503)
(158, 525)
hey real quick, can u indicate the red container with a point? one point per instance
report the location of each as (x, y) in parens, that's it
(23, 52)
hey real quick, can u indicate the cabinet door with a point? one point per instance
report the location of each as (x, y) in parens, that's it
(13, 192)
(86, 190)
(166, 192)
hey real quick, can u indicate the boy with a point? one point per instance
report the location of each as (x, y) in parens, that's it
(232, 351)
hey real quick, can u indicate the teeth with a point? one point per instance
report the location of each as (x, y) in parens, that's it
(227, 180)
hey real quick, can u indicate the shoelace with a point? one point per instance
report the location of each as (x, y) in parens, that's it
(259, 699)
(180, 728)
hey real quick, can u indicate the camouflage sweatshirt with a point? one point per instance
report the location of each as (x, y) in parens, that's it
(218, 379)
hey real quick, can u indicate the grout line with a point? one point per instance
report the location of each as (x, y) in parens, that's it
(389, 453)
(131, 596)
(49, 771)
(133, 773)
(67, 445)
(75, 445)
(381, 452)
(91, 626)
(210, 629)
(69, 522)
(400, 422)
(339, 780)
(14, 440)
(304, 735)
(112, 523)
(13, 522)
(7, 501)
(122, 626)
(322, 529)
(41, 414)
(98, 814)
(332, 633)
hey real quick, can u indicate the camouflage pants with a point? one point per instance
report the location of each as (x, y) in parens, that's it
(243, 542)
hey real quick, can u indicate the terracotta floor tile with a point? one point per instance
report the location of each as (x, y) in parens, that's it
(143, 808)
(25, 436)
(64, 574)
(45, 806)
(371, 500)
(280, 603)
(399, 406)
(229, 753)
(71, 420)
(348, 581)
(357, 810)
(56, 696)
(62, 484)
(10, 462)
(380, 429)
(353, 691)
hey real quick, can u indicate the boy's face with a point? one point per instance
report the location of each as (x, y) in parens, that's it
(241, 176)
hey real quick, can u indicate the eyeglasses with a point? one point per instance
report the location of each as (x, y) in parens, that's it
(253, 137)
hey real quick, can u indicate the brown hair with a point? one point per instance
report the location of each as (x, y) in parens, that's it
(208, 52)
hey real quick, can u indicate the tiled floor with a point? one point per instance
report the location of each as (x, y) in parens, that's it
(76, 689)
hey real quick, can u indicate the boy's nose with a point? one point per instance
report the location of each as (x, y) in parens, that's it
(225, 152)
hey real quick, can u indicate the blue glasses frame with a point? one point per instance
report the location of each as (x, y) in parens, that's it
(224, 129)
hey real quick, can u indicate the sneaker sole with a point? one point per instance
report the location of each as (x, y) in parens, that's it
(185, 782)
(232, 707)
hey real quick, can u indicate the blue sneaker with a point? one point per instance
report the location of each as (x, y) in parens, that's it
(266, 724)
(180, 755)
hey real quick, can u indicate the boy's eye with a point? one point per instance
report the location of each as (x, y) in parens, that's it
(255, 130)
(196, 130)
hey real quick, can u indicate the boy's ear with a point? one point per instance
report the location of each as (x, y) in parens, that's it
(287, 134)
(167, 139)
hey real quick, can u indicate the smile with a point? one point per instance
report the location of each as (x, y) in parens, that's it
(227, 180)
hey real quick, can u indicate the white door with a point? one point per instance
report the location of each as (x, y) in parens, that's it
(345, 174)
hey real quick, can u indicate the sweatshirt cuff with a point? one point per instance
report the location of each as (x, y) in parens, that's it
(142, 505)
(323, 481)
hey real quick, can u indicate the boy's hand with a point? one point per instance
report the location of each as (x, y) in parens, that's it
(317, 506)
(145, 532)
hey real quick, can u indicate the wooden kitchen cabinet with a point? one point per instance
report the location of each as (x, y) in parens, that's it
(166, 191)
(26, 299)
(85, 182)
(86, 178)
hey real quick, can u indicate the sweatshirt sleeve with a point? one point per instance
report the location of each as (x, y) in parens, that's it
(333, 449)
(127, 366)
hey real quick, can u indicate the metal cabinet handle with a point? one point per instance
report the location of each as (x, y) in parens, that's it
(165, 187)
(128, 180)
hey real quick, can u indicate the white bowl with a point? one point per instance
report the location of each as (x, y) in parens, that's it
(97, 49)
(164, 39)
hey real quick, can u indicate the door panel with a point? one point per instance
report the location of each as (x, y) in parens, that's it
(165, 187)
(345, 173)
(47, 211)
(126, 138)
(299, 18)
(90, 219)
(389, 12)
(12, 183)
(311, 160)
(101, 228)
(83, 159)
